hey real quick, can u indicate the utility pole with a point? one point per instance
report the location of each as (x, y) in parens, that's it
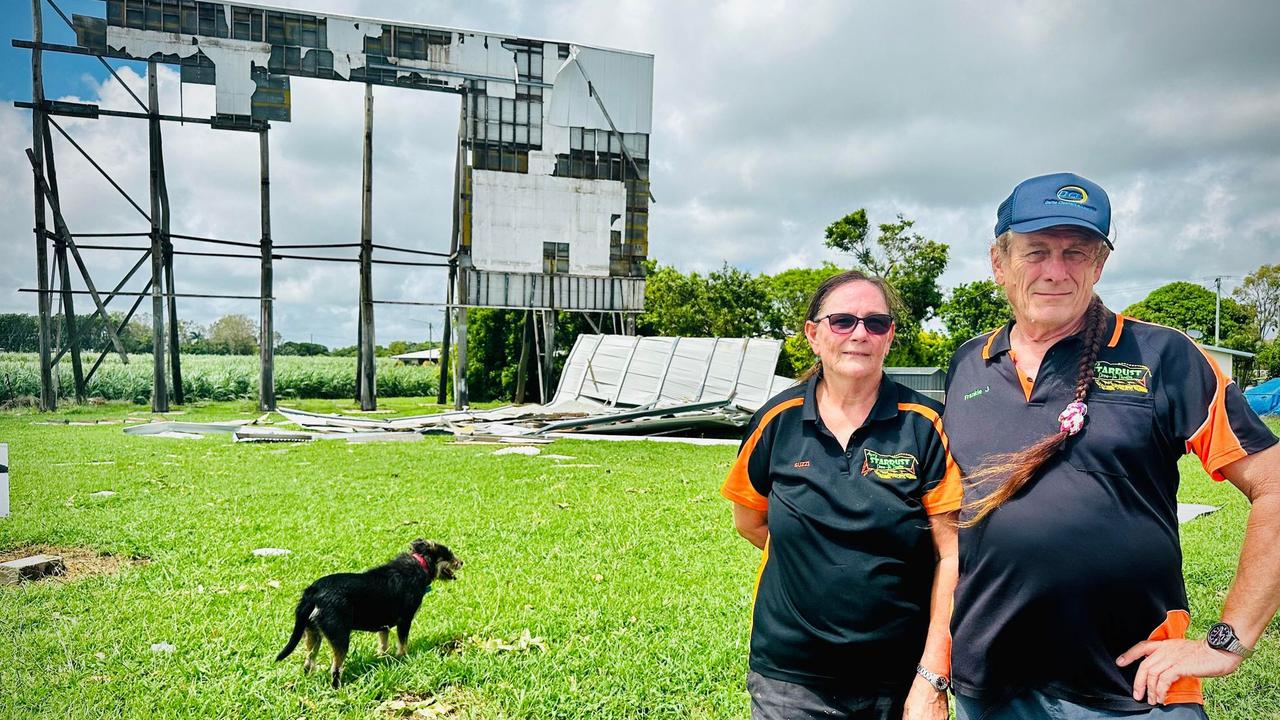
(1217, 312)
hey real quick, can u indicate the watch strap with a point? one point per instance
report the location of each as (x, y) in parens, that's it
(939, 682)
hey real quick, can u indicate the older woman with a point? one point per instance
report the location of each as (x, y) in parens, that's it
(845, 482)
(1068, 424)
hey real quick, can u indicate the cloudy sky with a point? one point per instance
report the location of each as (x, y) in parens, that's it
(771, 119)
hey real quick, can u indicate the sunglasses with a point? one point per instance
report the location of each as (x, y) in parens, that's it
(845, 323)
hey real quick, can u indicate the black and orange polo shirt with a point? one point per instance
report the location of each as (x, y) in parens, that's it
(1084, 562)
(842, 596)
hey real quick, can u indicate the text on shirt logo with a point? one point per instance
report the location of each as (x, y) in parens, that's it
(976, 392)
(802, 464)
(900, 466)
(1122, 377)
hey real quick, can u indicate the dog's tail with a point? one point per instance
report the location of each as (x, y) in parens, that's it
(301, 616)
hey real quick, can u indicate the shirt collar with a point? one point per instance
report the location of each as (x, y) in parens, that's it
(886, 406)
(998, 343)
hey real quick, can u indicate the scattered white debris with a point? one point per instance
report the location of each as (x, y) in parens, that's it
(273, 584)
(1188, 511)
(163, 647)
(271, 552)
(558, 457)
(518, 450)
(103, 493)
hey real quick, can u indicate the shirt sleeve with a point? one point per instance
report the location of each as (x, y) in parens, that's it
(943, 491)
(1208, 412)
(748, 482)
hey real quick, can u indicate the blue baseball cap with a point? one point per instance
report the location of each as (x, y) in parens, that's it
(1054, 200)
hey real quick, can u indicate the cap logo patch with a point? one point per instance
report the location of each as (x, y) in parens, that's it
(901, 466)
(1122, 377)
(1073, 194)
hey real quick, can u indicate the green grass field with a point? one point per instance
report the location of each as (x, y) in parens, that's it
(629, 572)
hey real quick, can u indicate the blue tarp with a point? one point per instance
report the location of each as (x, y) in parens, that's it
(1265, 398)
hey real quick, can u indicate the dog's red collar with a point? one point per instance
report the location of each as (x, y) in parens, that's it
(423, 562)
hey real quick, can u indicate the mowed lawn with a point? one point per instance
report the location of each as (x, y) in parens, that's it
(620, 563)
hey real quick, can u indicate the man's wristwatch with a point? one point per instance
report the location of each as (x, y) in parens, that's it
(939, 682)
(1223, 637)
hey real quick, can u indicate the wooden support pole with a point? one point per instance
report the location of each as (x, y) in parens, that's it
(159, 388)
(69, 318)
(266, 321)
(175, 347)
(48, 394)
(522, 368)
(459, 161)
(368, 370)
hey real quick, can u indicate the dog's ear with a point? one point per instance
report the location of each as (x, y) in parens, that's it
(422, 547)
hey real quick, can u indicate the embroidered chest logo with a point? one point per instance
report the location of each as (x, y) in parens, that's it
(901, 466)
(802, 464)
(1122, 377)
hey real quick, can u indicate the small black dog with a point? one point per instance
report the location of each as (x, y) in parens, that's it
(373, 601)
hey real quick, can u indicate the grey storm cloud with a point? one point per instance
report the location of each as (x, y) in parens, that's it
(771, 119)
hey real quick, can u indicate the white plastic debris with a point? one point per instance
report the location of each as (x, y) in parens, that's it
(518, 450)
(163, 647)
(271, 552)
(103, 493)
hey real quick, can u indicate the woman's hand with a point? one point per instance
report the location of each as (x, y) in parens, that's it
(925, 702)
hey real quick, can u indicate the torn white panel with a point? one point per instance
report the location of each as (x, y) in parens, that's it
(346, 40)
(623, 81)
(480, 55)
(232, 60)
(494, 88)
(513, 214)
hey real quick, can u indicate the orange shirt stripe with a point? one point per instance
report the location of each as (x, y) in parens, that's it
(986, 349)
(737, 486)
(1115, 336)
(948, 494)
(1174, 627)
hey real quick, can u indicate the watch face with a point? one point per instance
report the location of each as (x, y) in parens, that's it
(1220, 636)
(940, 684)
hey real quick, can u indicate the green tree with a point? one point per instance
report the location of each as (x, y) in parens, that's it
(737, 304)
(234, 335)
(673, 302)
(301, 348)
(972, 309)
(1187, 306)
(909, 261)
(1261, 291)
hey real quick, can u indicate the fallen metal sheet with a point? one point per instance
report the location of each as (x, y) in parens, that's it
(650, 438)
(617, 417)
(261, 434)
(372, 437)
(166, 426)
(319, 420)
(630, 371)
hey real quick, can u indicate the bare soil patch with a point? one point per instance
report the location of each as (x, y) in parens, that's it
(80, 562)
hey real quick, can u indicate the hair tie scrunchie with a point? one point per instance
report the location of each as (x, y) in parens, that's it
(1072, 419)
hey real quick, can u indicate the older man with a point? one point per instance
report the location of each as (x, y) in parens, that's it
(1068, 424)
